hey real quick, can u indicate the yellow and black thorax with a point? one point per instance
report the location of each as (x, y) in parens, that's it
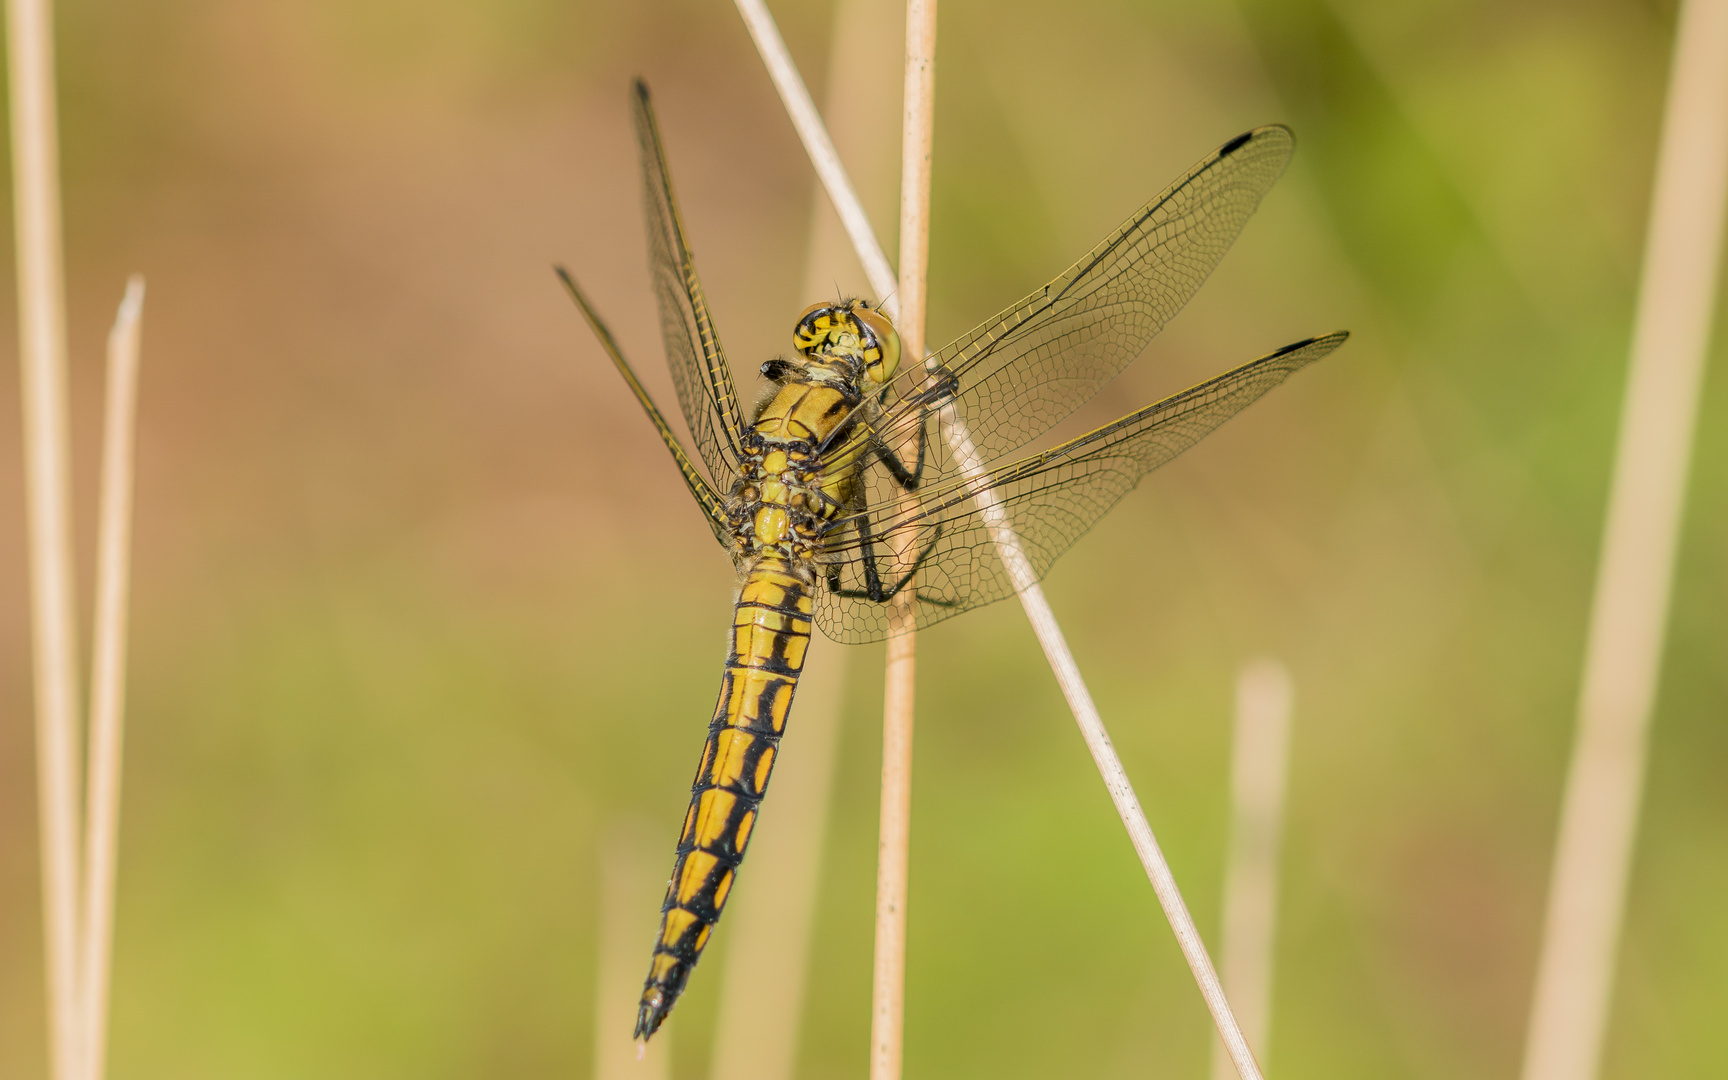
(799, 469)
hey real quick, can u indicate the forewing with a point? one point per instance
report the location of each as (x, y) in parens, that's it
(713, 506)
(1028, 368)
(961, 528)
(699, 369)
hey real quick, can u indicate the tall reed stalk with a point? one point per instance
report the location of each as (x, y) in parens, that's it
(108, 681)
(1629, 614)
(894, 834)
(1259, 766)
(48, 493)
(771, 914)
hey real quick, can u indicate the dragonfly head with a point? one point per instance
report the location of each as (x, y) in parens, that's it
(853, 332)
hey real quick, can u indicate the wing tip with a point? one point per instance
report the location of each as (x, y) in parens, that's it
(1235, 144)
(1261, 134)
(1326, 342)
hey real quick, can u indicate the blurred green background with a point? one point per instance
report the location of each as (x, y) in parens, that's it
(421, 609)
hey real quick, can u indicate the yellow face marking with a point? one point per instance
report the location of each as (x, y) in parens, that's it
(714, 810)
(763, 765)
(677, 921)
(880, 368)
(809, 331)
(723, 889)
(850, 331)
(697, 866)
(744, 829)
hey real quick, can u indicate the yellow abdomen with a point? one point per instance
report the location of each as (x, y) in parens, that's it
(770, 630)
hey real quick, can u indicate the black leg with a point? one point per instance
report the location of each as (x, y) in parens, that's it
(910, 478)
(906, 478)
(873, 581)
(859, 519)
(867, 548)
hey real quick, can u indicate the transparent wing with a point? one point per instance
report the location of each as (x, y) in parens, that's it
(953, 528)
(699, 370)
(713, 506)
(1020, 373)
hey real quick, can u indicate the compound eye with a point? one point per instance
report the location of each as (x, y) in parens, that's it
(880, 367)
(813, 327)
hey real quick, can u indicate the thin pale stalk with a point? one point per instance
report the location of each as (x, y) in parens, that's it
(893, 839)
(1121, 790)
(888, 994)
(1044, 625)
(1629, 614)
(820, 149)
(48, 487)
(814, 134)
(108, 680)
(1260, 756)
(771, 914)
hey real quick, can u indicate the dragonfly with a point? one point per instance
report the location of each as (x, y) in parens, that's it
(863, 483)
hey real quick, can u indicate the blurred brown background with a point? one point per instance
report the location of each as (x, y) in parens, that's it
(420, 606)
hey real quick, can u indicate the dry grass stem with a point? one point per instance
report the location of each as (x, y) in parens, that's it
(108, 681)
(820, 148)
(893, 841)
(1044, 625)
(42, 356)
(1133, 817)
(1599, 814)
(1260, 756)
(888, 994)
(771, 913)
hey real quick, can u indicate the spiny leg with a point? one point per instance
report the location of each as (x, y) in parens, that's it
(910, 478)
(873, 590)
(867, 549)
(906, 478)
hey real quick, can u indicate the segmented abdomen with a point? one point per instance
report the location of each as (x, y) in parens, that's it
(770, 629)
